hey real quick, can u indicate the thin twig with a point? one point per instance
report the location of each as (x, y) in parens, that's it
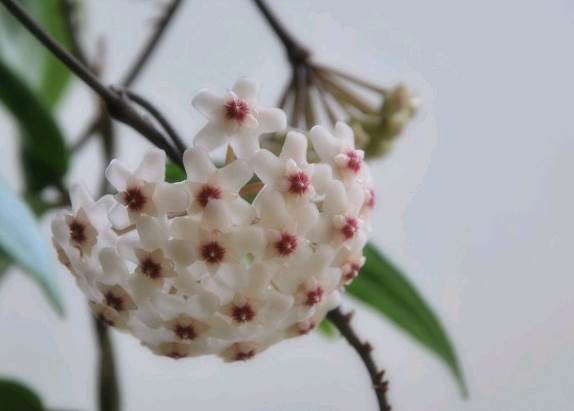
(364, 349)
(352, 78)
(118, 108)
(108, 396)
(69, 10)
(155, 113)
(296, 53)
(151, 45)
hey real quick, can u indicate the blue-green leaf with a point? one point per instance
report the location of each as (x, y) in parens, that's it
(45, 156)
(15, 396)
(22, 241)
(385, 288)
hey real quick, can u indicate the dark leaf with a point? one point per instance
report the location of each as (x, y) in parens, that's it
(44, 153)
(23, 54)
(385, 288)
(15, 396)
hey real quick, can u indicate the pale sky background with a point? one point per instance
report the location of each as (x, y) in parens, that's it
(475, 204)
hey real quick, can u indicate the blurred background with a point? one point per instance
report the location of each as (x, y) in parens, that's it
(475, 204)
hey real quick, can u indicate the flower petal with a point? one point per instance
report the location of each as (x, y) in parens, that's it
(152, 167)
(211, 136)
(153, 235)
(80, 197)
(198, 165)
(295, 147)
(246, 89)
(324, 144)
(171, 198)
(208, 103)
(234, 176)
(245, 145)
(266, 166)
(271, 119)
(118, 175)
(335, 199)
(345, 133)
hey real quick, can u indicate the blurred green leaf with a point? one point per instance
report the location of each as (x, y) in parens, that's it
(15, 396)
(4, 265)
(385, 288)
(174, 173)
(45, 156)
(54, 75)
(33, 63)
(327, 328)
(21, 240)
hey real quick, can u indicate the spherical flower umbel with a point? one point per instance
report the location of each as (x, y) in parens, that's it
(199, 267)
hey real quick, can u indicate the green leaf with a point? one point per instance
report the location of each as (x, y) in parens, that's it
(385, 288)
(45, 155)
(327, 329)
(15, 396)
(21, 240)
(4, 264)
(174, 173)
(55, 76)
(36, 65)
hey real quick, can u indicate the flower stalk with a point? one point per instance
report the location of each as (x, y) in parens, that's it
(374, 116)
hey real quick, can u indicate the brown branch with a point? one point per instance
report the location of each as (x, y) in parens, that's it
(296, 53)
(108, 392)
(117, 107)
(364, 349)
(160, 118)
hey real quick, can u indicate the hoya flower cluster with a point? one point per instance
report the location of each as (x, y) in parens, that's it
(200, 266)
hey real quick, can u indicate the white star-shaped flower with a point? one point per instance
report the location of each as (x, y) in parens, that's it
(338, 150)
(290, 173)
(215, 191)
(236, 118)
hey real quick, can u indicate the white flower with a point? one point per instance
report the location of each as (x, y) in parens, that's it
(338, 150)
(143, 191)
(236, 118)
(194, 269)
(290, 173)
(215, 192)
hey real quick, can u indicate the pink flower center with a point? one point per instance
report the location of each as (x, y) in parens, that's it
(306, 328)
(352, 272)
(354, 160)
(286, 244)
(185, 332)
(77, 231)
(244, 355)
(350, 228)
(207, 193)
(150, 268)
(314, 297)
(298, 183)
(134, 199)
(236, 110)
(371, 198)
(212, 252)
(242, 313)
(117, 303)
